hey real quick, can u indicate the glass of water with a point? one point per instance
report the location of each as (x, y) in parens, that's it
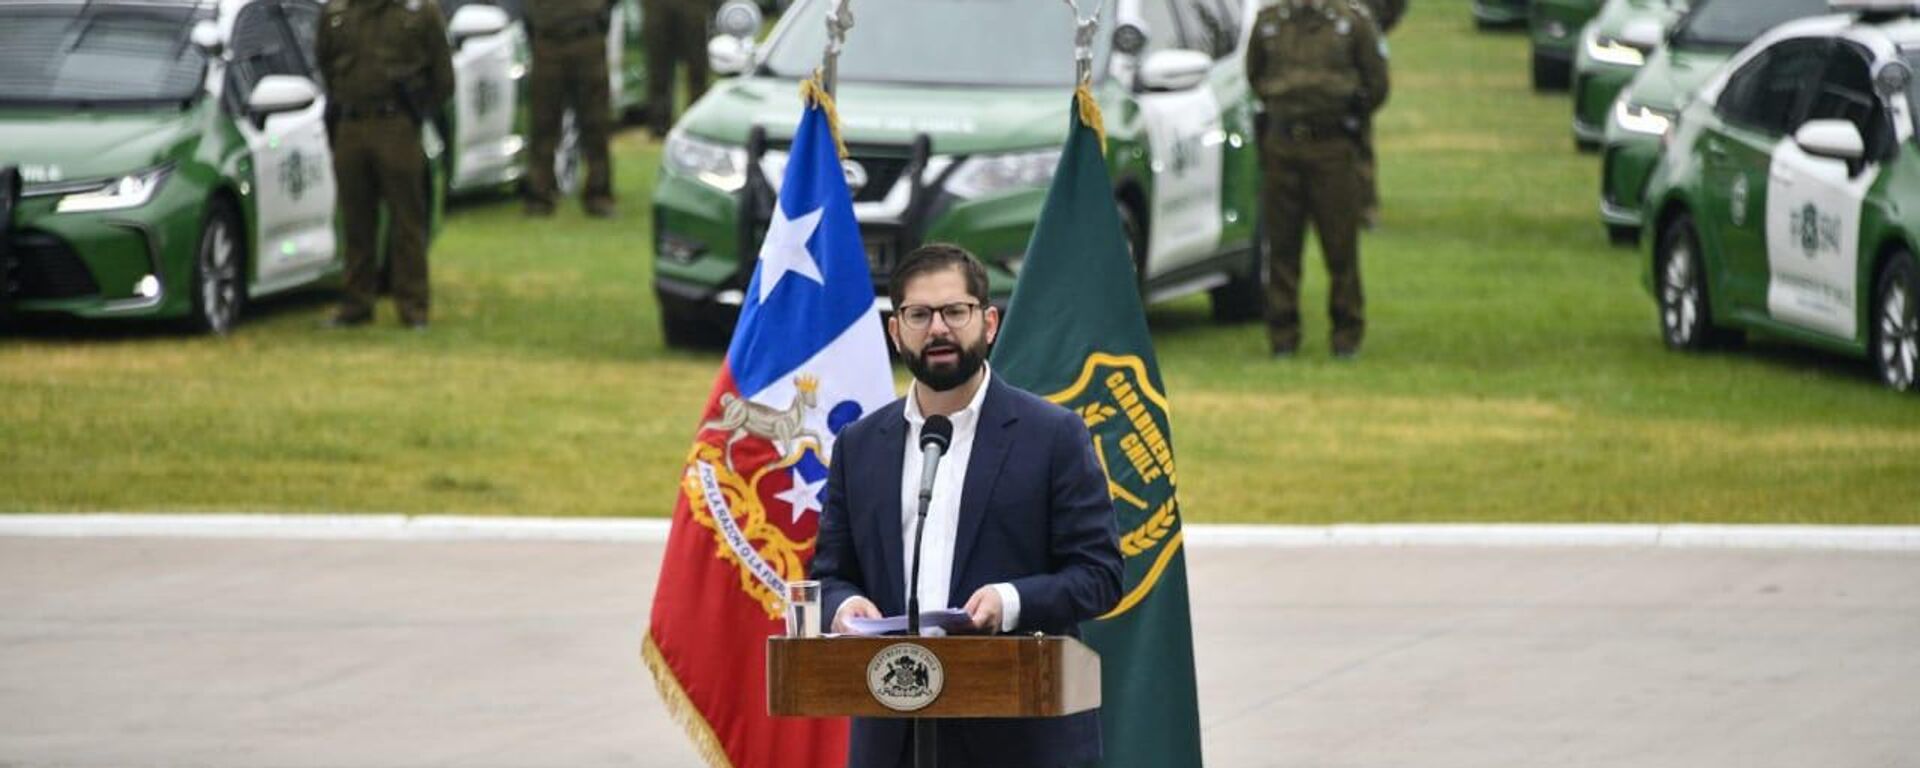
(803, 608)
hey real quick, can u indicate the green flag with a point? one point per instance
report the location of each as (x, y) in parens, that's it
(1076, 333)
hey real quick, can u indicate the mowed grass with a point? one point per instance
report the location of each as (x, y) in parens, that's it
(1513, 370)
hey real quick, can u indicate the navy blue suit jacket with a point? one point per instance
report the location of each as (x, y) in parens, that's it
(1034, 513)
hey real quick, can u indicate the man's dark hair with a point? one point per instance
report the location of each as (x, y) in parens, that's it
(934, 257)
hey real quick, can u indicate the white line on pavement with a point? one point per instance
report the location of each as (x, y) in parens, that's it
(458, 528)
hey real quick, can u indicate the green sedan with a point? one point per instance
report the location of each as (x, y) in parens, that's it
(1612, 48)
(173, 154)
(1785, 201)
(1696, 45)
(1554, 27)
(957, 142)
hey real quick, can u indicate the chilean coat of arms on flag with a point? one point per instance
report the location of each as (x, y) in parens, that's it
(807, 358)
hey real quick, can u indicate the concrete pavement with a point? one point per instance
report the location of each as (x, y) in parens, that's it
(171, 652)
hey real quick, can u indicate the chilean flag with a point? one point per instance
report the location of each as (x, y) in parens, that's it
(807, 358)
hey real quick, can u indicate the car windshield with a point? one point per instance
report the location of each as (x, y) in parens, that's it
(1734, 23)
(941, 42)
(92, 53)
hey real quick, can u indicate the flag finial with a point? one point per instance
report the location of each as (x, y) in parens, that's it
(1084, 29)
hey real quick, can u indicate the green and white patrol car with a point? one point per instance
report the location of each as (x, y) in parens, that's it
(954, 114)
(1786, 201)
(1499, 13)
(490, 112)
(1612, 48)
(173, 153)
(1554, 27)
(1695, 46)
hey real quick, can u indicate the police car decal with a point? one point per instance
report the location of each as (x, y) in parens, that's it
(1813, 239)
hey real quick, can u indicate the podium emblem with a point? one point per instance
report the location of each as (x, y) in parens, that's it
(905, 677)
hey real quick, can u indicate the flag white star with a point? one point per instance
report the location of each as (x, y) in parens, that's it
(804, 497)
(785, 250)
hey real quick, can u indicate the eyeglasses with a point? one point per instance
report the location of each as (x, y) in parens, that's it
(955, 315)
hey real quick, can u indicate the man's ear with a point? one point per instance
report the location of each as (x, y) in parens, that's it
(992, 314)
(893, 330)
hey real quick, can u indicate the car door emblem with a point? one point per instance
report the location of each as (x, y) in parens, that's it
(293, 175)
(1816, 231)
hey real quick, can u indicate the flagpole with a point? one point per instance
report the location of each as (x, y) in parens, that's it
(1083, 31)
(839, 20)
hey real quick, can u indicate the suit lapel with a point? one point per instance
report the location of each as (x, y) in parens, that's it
(887, 512)
(990, 440)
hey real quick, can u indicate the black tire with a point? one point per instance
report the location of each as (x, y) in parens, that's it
(685, 326)
(1680, 286)
(1623, 235)
(1549, 74)
(1894, 343)
(219, 271)
(1135, 232)
(1244, 297)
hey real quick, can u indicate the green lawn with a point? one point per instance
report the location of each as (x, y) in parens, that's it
(1513, 369)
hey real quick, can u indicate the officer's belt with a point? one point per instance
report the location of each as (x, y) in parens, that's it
(569, 30)
(1309, 129)
(372, 110)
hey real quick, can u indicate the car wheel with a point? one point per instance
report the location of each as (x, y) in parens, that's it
(219, 289)
(684, 326)
(1244, 297)
(1895, 340)
(1135, 233)
(566, 157)
(1682, 283)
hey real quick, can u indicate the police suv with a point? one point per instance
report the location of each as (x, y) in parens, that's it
(954, 114)
(173, 153)
(1788, 197)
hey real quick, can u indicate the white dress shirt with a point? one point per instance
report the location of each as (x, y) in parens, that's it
(943, 512)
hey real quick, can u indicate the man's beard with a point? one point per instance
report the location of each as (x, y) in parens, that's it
(946, 377)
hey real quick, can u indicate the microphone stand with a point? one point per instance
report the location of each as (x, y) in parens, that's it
(924, 753)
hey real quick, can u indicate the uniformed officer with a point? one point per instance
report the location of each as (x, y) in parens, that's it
(570, 71)
(1319, 68)
(1386, 14)
(676, 32)
(388, 71)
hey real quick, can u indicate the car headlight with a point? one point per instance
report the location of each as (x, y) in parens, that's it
(130, 191)
(982, 175)
(1642, 119)
(716, 165)
(1610, 51)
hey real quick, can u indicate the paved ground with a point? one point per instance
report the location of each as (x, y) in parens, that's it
(150, 652)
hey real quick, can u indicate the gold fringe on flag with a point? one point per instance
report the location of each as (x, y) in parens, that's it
(1090, 114)
(811, 93)
(681, 707)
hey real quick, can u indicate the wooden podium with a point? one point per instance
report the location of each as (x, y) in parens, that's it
(1006, 676)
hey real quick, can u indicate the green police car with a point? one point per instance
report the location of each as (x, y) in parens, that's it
(1612, 48)
(490, 115)
(1696, 45)
(954, 115)
(173, 155)
(1785, 202)
(1554, 27)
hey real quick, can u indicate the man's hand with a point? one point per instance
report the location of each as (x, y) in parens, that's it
(855, 607)
(984, 609)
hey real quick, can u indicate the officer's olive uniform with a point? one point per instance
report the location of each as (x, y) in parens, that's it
(1386, 14)
(387, 69)
(570, 71)
(676, 32)
(1318, 67)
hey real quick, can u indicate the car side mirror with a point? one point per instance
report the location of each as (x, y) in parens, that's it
(728, 55)
(1837, 139)
(1174, 70)
(1643, 34)
(206, 37)
(281, 93)
(473, 21)
(730, 51)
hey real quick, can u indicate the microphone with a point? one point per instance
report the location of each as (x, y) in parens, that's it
(935, 435)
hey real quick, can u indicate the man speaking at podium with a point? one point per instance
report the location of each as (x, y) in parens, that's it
(1019, 532)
